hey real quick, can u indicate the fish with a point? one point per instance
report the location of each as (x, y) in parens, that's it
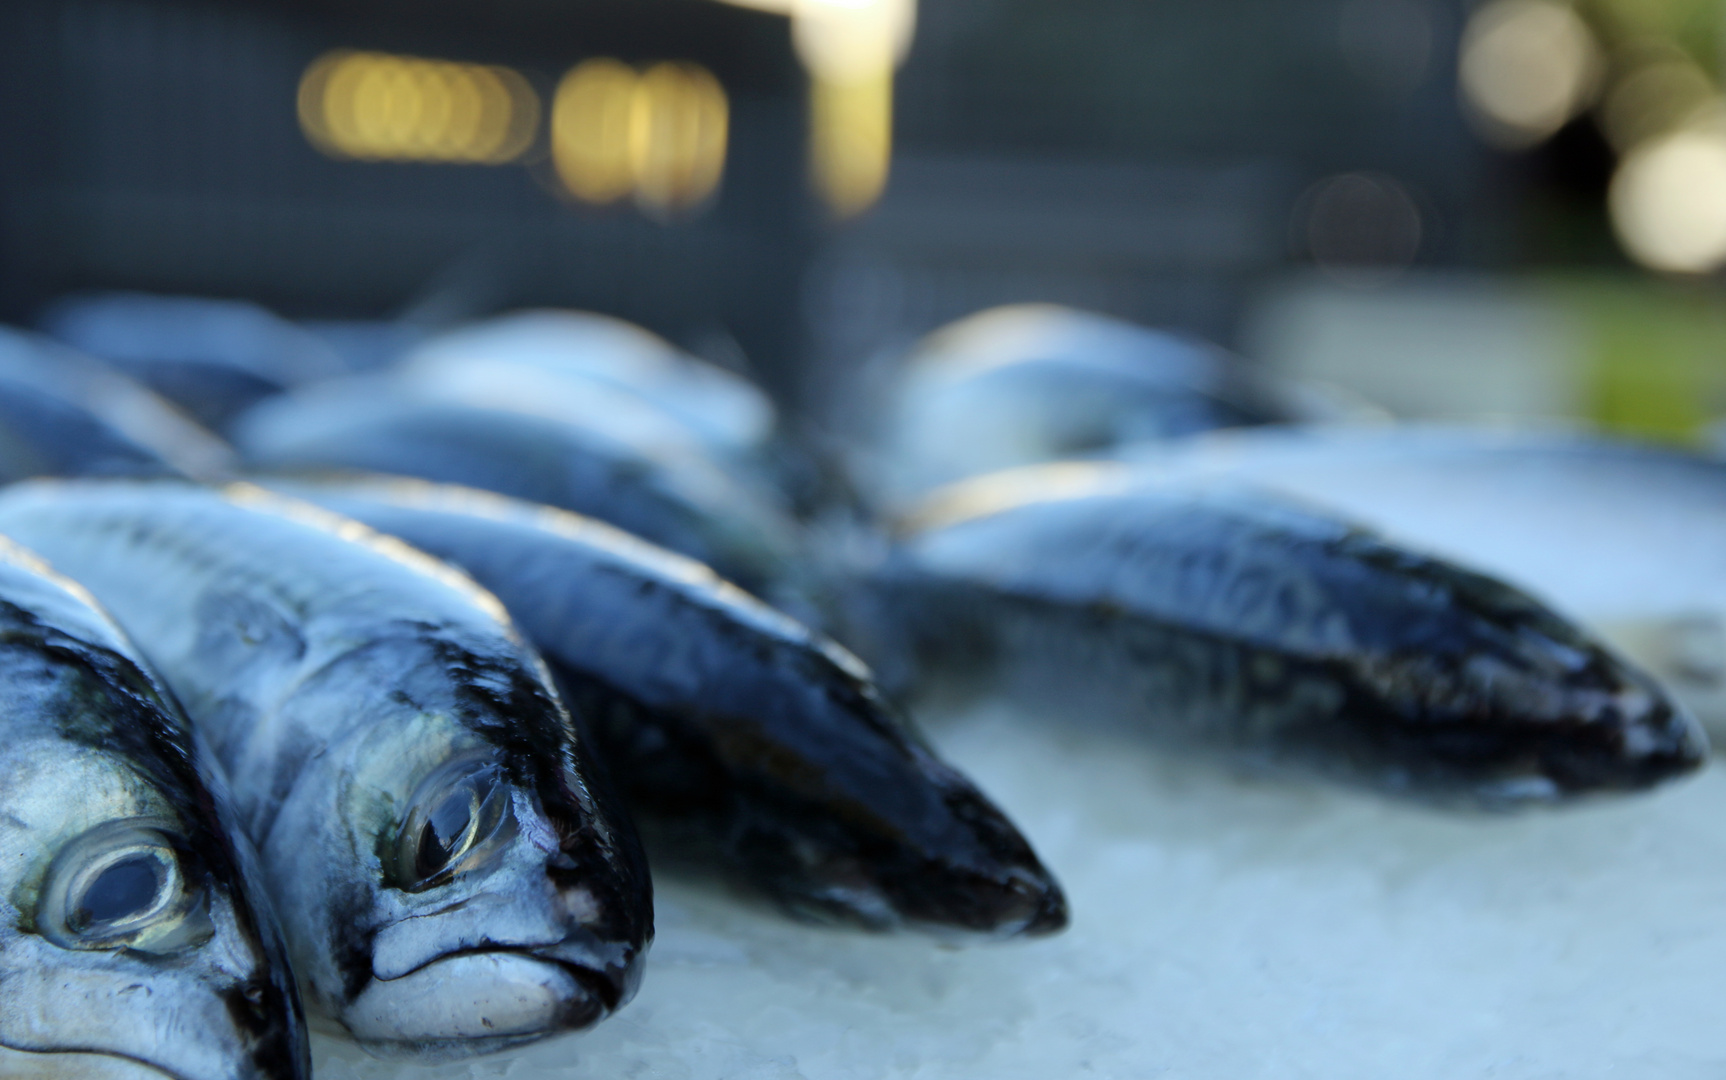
(1627, 538)
(63, 413)
(134, 940)
(1251, 627)
(213, 358)
(448, 879)
(605, 356)
(675, 499)
(1026, 384)
(747, 738)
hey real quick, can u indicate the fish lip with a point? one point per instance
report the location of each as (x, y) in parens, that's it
(539, 998)
(606, 993)
(132, 1059)
(248, 1067)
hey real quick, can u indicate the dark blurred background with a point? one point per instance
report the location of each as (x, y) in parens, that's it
(1510, 208)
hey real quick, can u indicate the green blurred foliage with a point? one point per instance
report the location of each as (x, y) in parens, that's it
(1694, 26)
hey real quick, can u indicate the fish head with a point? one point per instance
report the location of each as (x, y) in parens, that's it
(126, 950)
(467, 893)
(884, 834)
(1505, 701)
(962, 873)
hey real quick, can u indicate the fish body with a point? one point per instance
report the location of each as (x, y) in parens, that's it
(675, 499)
(1239, 622)
(766, 744)
(1627, 538)
(133, 940)
(1031, 383)
(447, 881)
(213, 358)
(608, 357)
(65, 414)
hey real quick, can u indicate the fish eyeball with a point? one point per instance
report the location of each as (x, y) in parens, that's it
(124, 884)
(459, 818)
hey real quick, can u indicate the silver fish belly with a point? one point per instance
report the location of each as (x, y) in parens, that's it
(133, 939)
(447, 881)
(757, 741)
(1232, 620)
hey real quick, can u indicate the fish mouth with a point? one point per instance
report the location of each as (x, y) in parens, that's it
(78, 1065)
(476, 1002)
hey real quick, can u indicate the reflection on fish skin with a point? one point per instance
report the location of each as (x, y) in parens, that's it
(66, 414)
(677, 500)
(134, 939)
(401, 754)
(726, 720)
(1231, 620)
(729, 414)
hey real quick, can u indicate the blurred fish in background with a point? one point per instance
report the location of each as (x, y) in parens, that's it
(1031, 383)
(213, 358)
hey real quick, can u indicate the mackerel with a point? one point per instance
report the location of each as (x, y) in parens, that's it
(134, 940)
(753, 740)
(1240, 622)
(448, 881)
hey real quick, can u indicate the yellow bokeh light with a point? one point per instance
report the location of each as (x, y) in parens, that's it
(677, 134)
(378, 107)
(660, 134)
(590, 121)
(851, 140)
(1668, 201)
(1526, 67)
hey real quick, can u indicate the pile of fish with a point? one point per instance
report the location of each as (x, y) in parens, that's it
(387, 709)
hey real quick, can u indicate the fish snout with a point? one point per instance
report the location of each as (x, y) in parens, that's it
(1019, 901)
(982, 876)
(1639, 739)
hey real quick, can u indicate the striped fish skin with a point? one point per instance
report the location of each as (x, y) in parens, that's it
(447, 881)
(134, 941)
(727, 720)
(1232, 621)
(677, 500)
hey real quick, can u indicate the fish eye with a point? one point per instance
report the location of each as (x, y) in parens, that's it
(460, 816)
(123, 884)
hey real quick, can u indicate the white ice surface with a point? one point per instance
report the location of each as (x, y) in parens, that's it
(1224, 927)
